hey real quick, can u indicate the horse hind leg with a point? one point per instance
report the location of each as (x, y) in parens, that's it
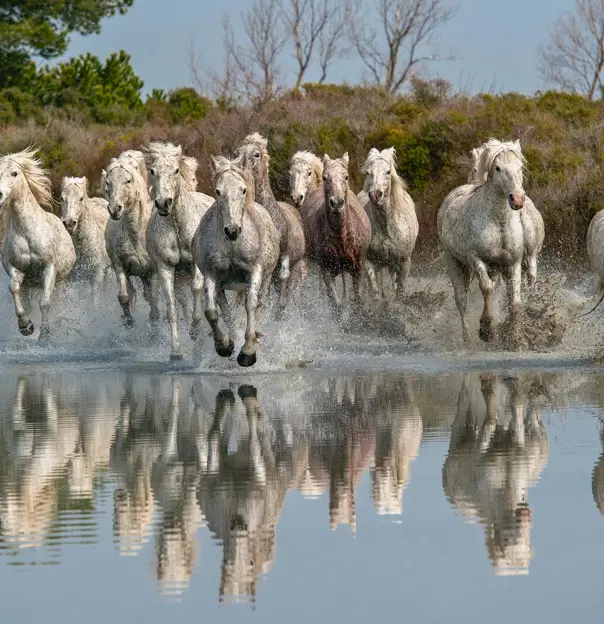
(223, 346)
(283, 285)
(486, 331)
(26, 327)
(460, 279)
(48, 285)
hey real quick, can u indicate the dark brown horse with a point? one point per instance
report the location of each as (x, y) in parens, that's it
(337, 229)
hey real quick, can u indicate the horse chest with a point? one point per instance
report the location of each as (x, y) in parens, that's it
(503, 244)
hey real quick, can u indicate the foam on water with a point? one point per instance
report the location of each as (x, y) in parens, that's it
(422, 331)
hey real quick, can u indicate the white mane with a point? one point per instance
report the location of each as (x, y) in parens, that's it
(490, 150)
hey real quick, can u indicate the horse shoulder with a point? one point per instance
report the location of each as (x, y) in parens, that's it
(162, 240)
(297, 240)
(361, 220)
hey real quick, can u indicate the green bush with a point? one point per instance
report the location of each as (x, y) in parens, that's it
(187, 105)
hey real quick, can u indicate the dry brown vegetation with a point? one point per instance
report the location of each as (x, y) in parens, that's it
(561, 135)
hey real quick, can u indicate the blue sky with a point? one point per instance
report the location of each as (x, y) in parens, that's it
(495, 41)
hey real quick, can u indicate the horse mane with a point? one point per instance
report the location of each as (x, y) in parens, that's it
(314, 161)
(221, 165)
(493, 148)
(187, 165)
(35, 175)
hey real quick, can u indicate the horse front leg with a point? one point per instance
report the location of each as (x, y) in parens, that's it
(98, 279)
(227, 317)
(166, 278)
(124, 290)
(247, 355)
(151, 296)
(197, 290)
(371, 274)
(283, 287)
(356, 288)
(531, 275)
(514, 285)
(332, 294)
(26, 327)
(49, 278)
(224, 347)
(486, 331)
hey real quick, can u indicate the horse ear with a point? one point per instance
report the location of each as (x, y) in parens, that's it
(345, 159)
(326, 158)
(374, 151)
(179, 150)
(215, 164)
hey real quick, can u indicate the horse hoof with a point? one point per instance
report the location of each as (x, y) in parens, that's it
(246, 360)
(175, 357)
(194, 331)
(44, 338)
(247, 392)
(225, 351)
(27, 330)
(128, 322)
(486, 334)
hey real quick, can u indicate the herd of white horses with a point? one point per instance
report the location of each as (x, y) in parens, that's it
(153, 224)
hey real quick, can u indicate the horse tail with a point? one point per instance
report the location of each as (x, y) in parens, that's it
(600, 291)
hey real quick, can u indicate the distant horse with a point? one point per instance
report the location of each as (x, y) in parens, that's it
(255, 158)
(179, 209)
(124, 184)
(339, 232)
(533, 227)
(37, 248)
(480, 231)
(236, 247)
(85, 218)
(391, 211)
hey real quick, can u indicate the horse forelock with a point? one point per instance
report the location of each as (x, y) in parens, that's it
(187, 165)
(232, 166)
(491, 150)
(33, 172)
(69, 181)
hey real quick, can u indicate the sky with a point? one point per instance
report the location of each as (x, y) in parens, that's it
(495, 42)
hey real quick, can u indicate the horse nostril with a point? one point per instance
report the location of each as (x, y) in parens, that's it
(168, 202)
(332, 202)
(157, 204)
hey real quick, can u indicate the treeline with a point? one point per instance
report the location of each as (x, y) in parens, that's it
(84, 112)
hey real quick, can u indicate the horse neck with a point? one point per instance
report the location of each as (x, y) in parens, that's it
(24, 208)
(264, 194)
(136, 218)
(496, 204)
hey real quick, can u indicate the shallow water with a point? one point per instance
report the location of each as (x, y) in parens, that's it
(427, 495)
(363, 470)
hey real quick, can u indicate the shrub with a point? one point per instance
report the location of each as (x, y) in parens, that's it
(187, 105)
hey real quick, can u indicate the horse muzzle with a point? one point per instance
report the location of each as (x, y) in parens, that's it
(232, 232)
(70, 226)
(336, 205)
(376, 196)
(164, 207)
(516, 200)
(297, 199)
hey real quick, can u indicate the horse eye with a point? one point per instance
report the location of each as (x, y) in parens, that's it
(128, 181)
(309, 173)
(244, 190)
(152, 172)
(217, 191)
(388, 172)
(82, 198)
(497, 168)
(236, 154)
(346, 178)
(324, 178)
(257, 155)
(177, 172)
(14, 174)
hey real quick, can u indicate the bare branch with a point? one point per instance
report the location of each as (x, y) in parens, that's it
(251, 72)
(316, 28)
(573, 59)
(408, 28)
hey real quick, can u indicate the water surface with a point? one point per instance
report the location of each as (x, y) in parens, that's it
(421, 495)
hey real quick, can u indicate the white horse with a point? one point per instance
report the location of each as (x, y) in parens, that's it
(533, 227)
(595, 248)
(37, 248)
(85, 218)
(480, 231)
(124, 184)
(179, 209)
(305, 175)
(391, 211)
(236, 247)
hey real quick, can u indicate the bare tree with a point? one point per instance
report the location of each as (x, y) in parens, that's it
(573, 59)
(251, 72)
(317, 29)
(407, 27)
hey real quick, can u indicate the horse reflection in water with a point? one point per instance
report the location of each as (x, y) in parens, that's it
(38, 438)
(597, 479)
(157, 466)
(487, 474)
(242, 491)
